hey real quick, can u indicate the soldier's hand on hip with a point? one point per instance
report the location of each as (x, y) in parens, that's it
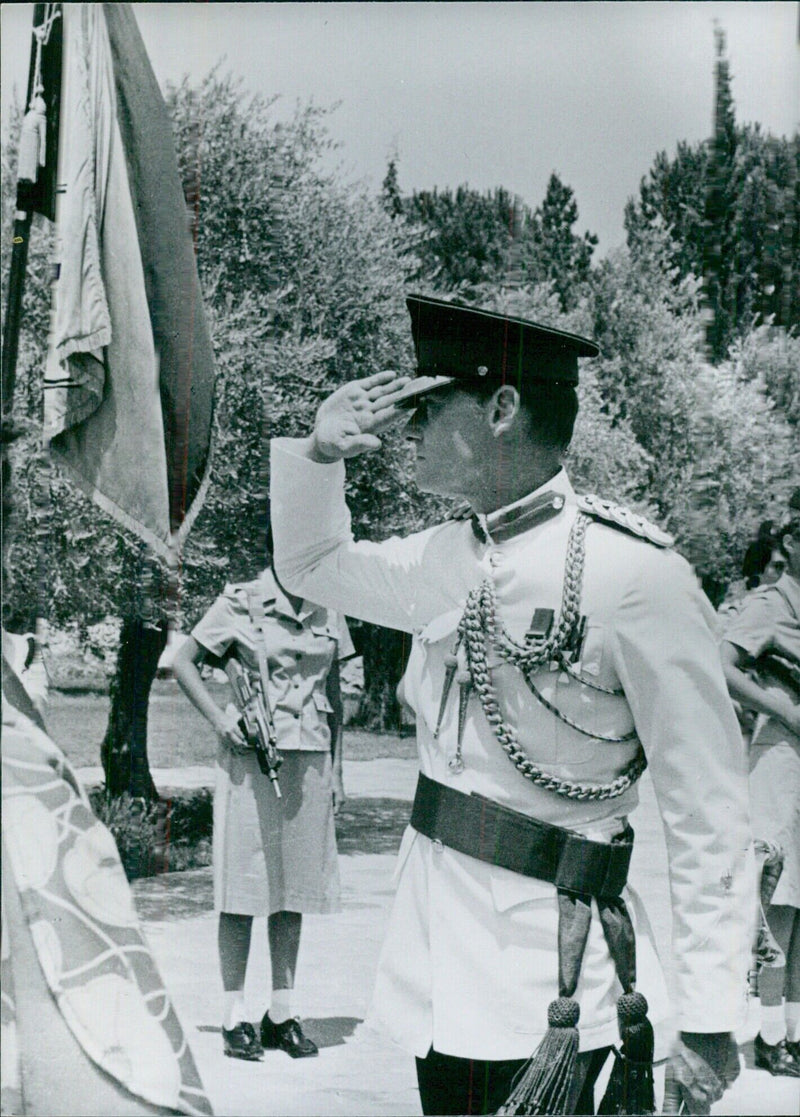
(349, 420)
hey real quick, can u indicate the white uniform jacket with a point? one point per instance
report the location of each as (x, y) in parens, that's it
(470, 960)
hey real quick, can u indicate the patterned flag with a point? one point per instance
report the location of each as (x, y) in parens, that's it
(129, 379)
(68, 904)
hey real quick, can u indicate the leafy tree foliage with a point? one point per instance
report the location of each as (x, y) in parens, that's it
(720, 457)
(732, 206)
(303, 278)
(470, 234)
(478, 240)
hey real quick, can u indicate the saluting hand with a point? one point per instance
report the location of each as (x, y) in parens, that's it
(349, 419)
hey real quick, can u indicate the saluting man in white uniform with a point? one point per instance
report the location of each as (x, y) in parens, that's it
(560, 646)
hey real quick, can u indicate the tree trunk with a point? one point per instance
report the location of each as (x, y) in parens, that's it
(124, 749)
(385, 653)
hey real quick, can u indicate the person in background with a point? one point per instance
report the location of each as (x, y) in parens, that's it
(272, 856)
(758, 555)
(761, 659)
(763, 564)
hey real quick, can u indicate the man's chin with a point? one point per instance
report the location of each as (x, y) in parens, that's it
(436, 486)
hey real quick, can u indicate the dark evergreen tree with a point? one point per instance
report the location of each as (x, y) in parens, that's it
(391, 198)
(674, 192)
(470, 235)
(560, 256)
(720, 278)
(732, 208)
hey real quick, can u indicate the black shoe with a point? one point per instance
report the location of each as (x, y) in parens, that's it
(777, 1058)
(241, 1043)
(793, 1047)
(288, 1036)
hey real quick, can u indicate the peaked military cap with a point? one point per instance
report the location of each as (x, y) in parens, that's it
(459, 343)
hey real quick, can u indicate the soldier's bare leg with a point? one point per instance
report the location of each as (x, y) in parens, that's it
(773, 980)
(775, 1049)
(233, 942)
(279, 1027)
(284, 945)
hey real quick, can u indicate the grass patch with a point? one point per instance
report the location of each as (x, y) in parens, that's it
(371, 825)
(175, 834)
(179, 736)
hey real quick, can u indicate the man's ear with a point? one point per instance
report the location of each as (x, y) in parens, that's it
(503, 407)
(790, 544)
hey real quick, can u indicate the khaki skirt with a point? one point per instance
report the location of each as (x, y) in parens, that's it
(275, 854)
(775, 803)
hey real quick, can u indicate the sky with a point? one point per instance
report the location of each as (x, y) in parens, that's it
(489, 94)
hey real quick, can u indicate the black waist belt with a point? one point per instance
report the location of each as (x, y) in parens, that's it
(490, 832)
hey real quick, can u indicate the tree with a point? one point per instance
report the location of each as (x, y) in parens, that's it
(732, 207)
(470, 235)
(559, 255)
(304, 295)
(720, 456)
(391, 198)
(674, 191)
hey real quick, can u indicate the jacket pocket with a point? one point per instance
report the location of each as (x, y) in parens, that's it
(321, 702)
(324, 630)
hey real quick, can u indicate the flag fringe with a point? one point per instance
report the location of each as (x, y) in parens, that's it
(194, 509)
(168, 547)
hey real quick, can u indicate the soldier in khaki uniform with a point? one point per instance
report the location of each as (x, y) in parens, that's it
(558, 643)
(272, 856)
(761, 656)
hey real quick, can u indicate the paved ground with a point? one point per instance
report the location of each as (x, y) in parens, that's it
(357, 1073)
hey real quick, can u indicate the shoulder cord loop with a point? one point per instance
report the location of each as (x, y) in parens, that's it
(480, 624)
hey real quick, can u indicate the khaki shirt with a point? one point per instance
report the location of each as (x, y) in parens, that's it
(470, 960)
(301, 647)
(768, 620)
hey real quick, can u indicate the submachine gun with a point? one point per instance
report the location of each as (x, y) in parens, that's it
(785, 670)
(256, 719)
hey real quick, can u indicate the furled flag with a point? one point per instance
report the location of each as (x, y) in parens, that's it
(129, 380)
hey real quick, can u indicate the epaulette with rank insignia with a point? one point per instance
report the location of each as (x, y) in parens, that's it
(616, 515)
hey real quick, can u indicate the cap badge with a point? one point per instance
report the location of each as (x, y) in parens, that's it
(483, 370)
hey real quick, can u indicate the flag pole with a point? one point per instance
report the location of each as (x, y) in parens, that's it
(16, 287)
(36, 174)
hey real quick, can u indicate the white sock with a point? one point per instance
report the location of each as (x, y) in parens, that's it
(793, 1021)
(281, 1007)
(234, 1010)
(773, 1024)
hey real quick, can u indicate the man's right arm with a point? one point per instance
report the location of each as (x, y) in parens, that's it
(389, 583)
